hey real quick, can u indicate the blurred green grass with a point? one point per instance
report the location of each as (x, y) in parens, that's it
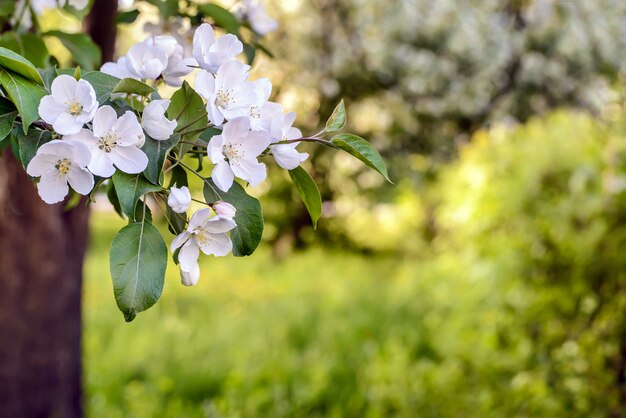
(320, 333)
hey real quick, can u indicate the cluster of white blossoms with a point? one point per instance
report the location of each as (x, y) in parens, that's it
(96, 141)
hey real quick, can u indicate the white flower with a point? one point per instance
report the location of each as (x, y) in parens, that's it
(228, 94)
(58, 163)
(177, 65)
(224, 209)
(40, 6)
(77, 4)
(286, 155)
(114, 141)
(190, 278)
(71, 104)
(259, 20)
(261, 111)
(178, 27)
(179, 199)
(203, 233)
(119, 69)
(154, 121)
(146, 61)
(235, 153)
(211, 53)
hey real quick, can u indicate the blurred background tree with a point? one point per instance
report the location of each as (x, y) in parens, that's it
(422, 75)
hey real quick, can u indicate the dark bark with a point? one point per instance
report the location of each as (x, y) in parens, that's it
(41, 254)
(42, 249)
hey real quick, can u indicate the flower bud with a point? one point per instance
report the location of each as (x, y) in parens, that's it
(179, 199)
(154, 121)
(224, 210)
(190, 278)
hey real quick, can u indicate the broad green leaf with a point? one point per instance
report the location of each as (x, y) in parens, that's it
(175, 221)
(48, 76)
(19, 65)
(29, 144)
(209, 133)
(188, 109)
(130, 85)
(24, 94)
(8, 113)
(249, 218)
(337, 120)
(127, 17)
(361, 149)
(129, 188)
(221, 17)
(102, 83)
(309, 193)
(28, 45)
(156, 152)
(138, 259)
(179, 177)
(6, 124)
(166, 8)
(115, 201)
(250, 52)
(84, 50)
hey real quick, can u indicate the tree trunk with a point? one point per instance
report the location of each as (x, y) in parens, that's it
(42, 249)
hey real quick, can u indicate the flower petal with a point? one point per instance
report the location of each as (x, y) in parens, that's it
(103, 121)
(223, 176)
(52, 188)
(80, 179)
(199, 218)
(219, 246)
(128, 129)
(188, 255)
(49, 109)
(219, 225)
(179, 240)
(66, 124)
(130, 160)
(252, 171)
(64, 88)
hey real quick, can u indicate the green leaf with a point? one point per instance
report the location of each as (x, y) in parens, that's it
(127, 17)
(102, 83)
(138, 259)
(221, 17)
(28, 45)
(19, 65)
(209, 133)
(188, 109)
(129, 188)
(176, 221)
(115, 201)
(6, 124)
(156, 152)
(132, 86)
(30, 143)
(337, 120)
(361, 149)
(8, 113)
(179, 177)
(249, 218)
(24, 94)
(84, 50)
(48, 76)
(167, 8)
(309, 193)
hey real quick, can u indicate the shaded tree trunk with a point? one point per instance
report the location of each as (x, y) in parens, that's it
(42, 249)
